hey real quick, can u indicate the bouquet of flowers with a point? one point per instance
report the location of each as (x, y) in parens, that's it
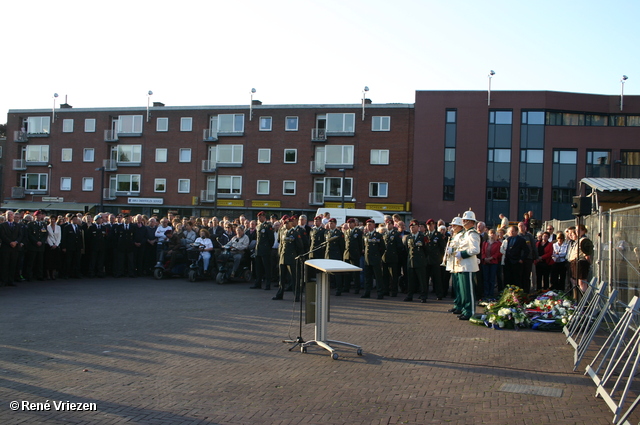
(508, 311)
(548, 307)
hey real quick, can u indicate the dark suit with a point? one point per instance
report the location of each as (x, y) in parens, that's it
(373, 251)
(97, 247)
(34, 258)
(72, 243)
(9, 232)
(335, 251)
(264, 242)
(434, 251)
(124, 242)
(517, 252)
(416, 265)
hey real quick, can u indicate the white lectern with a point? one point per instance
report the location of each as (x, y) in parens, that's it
(322, 303)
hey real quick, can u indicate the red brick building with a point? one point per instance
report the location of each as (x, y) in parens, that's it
(210, 159)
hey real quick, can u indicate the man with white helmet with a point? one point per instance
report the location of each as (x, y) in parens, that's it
(450, 260)
(466, 264)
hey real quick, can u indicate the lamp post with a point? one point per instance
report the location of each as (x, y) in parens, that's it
(364, 96)
(344, 172)
(253, 90)
(149, 94)
(102, 170)
(622, 80)
(491, 74)
(53, 111)
(215, 191)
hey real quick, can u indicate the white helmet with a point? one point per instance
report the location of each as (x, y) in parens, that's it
(469, 215)
(457, 221)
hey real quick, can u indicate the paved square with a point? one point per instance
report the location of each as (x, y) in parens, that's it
(175, 352)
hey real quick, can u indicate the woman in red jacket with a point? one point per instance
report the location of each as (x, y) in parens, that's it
(544, 261)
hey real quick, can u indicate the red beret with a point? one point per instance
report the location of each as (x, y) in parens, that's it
(412, 222)
(318, 217)
(285, 218)
(388, 220)
(261, 213)
(430, 221)
(333, 220)
(371, 221)
(351, 220)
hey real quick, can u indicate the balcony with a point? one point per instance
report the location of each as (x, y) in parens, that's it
(210, 135)
(109, 193)
(110, 136)
(318, 135)
(20, 136)
(207, 196)
(208, 166)
(316, 198)
(19, 164)
(110, 165)
(317, 167)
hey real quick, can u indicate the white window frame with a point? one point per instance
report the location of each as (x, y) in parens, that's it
(186, 124)
(135, 152)
(183, 181)
(89, 125)
(381, 123)
(378, 157)
(348, 124)
(66, 151)
(286, 123)
(379, 185)
(161, 154)
(87, 184)
(88, 155)
(267, 182)
(62, 184)
(42, 151)
(157, 182)
(162, 124)
(67, 125)
(234, 188)
(130, 124)
(236, 127)
(39, 125)
(236, 151)
(327, 187)
(346, 154)
(263, 121)
(295, 152)
(39, 176)
(264, 152)
(184, 155)
(122, 178)
(289, 183)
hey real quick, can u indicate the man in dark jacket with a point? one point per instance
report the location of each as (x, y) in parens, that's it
(96, 237)
(264, 241)
(390, 260)
(37, 238)
(71, 244)
(10, 237)
(354, 247)
(516, 254)
(414, 244)
(434, 251)
(373, 251)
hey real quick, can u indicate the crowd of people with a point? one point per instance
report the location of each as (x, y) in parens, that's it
(463, 259)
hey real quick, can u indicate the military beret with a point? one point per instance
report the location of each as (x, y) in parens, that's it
(430, 221)
(351, 220)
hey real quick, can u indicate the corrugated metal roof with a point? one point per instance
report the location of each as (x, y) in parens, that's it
(612, 185)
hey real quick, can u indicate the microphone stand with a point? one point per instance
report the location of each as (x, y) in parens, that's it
(300, 262)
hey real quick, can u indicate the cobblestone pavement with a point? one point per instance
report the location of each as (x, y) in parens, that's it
(175, 352)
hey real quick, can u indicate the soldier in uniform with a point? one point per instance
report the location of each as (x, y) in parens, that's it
(466, 264)
(392, 249)
(373, 251)
(434, 250)
(450, 260)
(353, 250)
(335, 251)
(264, 241)
(97, 244)
(316, 239)
(414, 244)
(72, 245)
(290, 247)
(124, 236)
(37, 237)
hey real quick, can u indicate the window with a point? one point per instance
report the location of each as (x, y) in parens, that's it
(532, 156)
(37, 153)
(35, 181)
(263, 187)
(264, 156)
(630, 166)
(499, 155)
(161, 155)
(231, 123)
(185, 155)
(87, 184)
(186, 123)
(265, 123)
(38, 125)
(67, 155)
(65, 183)
(333, 187)
(291, 124)
(226, 154)
(533, 117)
(379, 157)
(160, 185)
(380, 123)
(184, 185)
(564, 169)
(129, 154)
(290, 156)
(341, 123)
(451, 116)
(565, 157)
(500, 117)
(598, 164)
(130, 124)
(162, 124)
(378, 189)
(67, 126)
(227, 185)
(90, 125)
(88, 155)
(289, 187)
(129, 183)
(339, 154)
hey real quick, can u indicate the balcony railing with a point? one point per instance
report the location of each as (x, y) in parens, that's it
(207, 196)
(20, 136)
(208, 166)
(109, 193)
(210, 135)
(317, 167)
(318, 135)
(316, 198)
(110, 164)
(110, 136)
(19, 164)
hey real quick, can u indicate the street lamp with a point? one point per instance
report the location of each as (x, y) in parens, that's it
(215, 191)
(53, 111)
(102, 169)
(149, 94)
(622, 80)
(491, 74)
(253, 90)
(364, 96)
(344, 172)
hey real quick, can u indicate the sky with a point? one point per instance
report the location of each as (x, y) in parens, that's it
(106, 54)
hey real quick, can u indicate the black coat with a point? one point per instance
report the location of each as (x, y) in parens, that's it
(516, 251)
(10, 234)
(72, 241)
